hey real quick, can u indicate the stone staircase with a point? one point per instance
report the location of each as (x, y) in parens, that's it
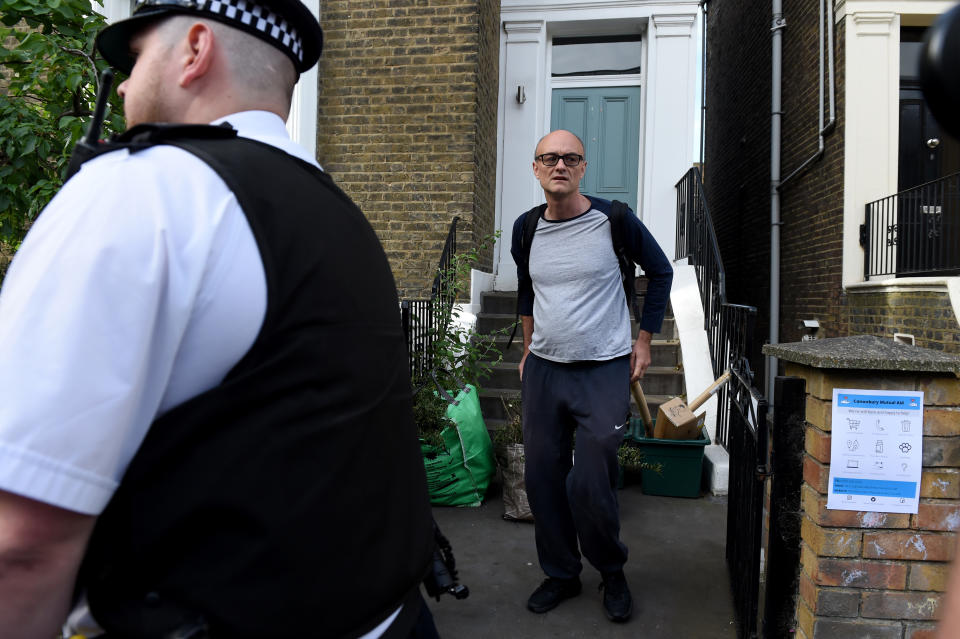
(662, 381)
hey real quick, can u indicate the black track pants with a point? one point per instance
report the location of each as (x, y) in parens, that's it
(576, 498)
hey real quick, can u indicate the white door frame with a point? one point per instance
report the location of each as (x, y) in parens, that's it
(667, 127)
(602, 82)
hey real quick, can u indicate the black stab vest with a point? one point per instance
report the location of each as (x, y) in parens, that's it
(290, 500)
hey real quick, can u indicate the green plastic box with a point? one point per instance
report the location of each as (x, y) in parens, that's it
(681, 460)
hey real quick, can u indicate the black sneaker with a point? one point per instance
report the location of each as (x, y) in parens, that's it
(617, 602)
(551, 592)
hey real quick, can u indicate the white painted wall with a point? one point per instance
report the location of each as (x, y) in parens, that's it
(669, 125)
(668, 136)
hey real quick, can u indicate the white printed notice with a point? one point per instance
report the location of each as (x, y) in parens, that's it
(876, 450)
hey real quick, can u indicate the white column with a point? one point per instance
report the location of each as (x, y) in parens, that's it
(668, 127)
(522, 68)
(302, 122)
(114, 10)
(871, 119)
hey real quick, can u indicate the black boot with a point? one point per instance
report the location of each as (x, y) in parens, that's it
(617, 602)
(551, 592)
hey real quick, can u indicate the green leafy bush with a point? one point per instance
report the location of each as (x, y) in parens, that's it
(429, 413)
(457, 351)
(512, 431)
(47, 92)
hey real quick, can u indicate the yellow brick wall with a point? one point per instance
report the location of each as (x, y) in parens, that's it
(407, 122)
(877, 574)
(927, 315)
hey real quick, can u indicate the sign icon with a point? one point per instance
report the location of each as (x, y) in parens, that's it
(852, 444)
(853, 463)
(880, 427)
(905, 447)
(913, 402)
(873, 499)
(878, 465)
(844, 399)
(905, 426)
(853, 424)
(903, 467)
(879, 446)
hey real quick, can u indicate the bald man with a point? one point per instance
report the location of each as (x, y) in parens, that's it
(577, 364)
(207, 426)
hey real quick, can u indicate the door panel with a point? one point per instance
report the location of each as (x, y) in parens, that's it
(607, 119)
(613, 154)
(927, 231)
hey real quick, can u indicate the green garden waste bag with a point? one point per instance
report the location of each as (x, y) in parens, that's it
(460, 475)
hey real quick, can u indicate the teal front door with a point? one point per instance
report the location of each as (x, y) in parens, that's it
(607, 119)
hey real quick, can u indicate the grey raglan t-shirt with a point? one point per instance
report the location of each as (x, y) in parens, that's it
(579, 309)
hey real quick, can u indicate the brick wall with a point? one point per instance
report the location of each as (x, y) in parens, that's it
(407, 122)
(737, 147)
(867, 574)
(737, 159)
(811, 204)
(925, 314)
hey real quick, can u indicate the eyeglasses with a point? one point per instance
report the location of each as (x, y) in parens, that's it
(551, 159)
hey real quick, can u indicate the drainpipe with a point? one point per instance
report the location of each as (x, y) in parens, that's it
(703, 79)
(778, 184)
(822, 130)
(775, 115)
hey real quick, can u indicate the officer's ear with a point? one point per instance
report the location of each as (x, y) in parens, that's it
(198, 53)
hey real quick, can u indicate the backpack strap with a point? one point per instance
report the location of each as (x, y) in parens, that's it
(530, 220)
(618, 213)
(618, 223)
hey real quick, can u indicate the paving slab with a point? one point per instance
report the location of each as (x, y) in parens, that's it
(676, 570)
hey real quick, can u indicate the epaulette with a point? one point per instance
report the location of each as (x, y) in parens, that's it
(144, 136)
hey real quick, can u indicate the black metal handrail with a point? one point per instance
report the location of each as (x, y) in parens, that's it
(914, 232)
(729, 327)
(749, 466)
(420, 316)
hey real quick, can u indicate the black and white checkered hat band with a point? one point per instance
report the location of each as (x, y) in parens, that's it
(260, 18)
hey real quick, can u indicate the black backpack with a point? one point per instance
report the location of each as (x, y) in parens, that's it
(618, 214)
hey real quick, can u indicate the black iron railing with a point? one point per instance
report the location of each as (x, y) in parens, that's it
(748, 448)
(729, 327)
(914, 232)
(424, 318)
(741, 409)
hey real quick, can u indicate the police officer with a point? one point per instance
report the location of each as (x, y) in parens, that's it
(206, 426)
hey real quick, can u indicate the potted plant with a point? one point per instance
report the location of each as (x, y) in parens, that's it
(429, 413)
(458, 453)
(508, 447)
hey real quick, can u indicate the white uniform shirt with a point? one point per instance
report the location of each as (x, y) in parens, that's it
(139, 287)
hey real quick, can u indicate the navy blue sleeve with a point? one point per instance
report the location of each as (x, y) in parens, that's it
(643, 249)
(524, 284)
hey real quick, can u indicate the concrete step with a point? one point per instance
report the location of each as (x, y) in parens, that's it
(658, 380)
(505, 303)
(495, 416)
(502, 323)
(662, 382)
(663, 352)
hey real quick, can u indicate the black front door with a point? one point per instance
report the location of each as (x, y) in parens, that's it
(927, 232)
